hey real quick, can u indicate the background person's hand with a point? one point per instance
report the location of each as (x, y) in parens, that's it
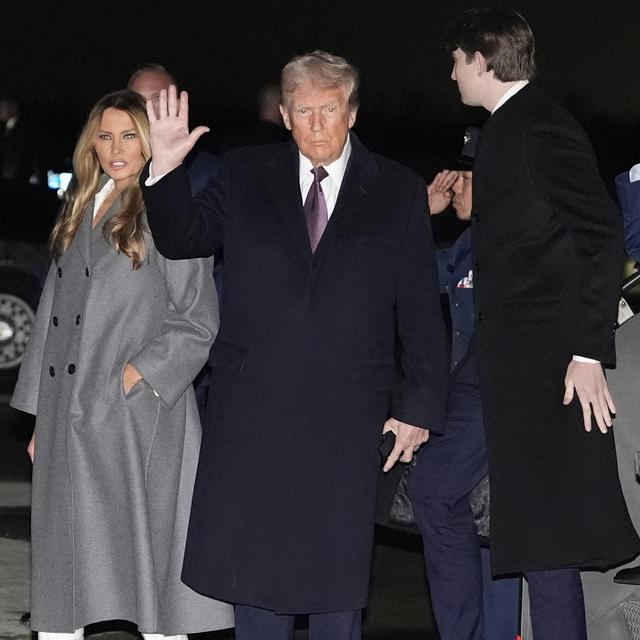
(169, 135)
(439, 191)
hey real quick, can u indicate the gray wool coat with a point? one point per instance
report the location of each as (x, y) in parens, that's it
(113, 473)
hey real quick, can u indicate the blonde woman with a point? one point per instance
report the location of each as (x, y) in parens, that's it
(120, 334)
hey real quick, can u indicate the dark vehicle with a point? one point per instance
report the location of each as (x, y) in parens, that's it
(27, 215)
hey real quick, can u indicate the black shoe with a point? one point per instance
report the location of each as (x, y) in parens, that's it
(25, 618)
(630, 575)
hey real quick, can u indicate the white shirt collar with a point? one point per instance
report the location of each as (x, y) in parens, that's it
(510, 93)
(101, 196)
(335, 169)
(332, 183)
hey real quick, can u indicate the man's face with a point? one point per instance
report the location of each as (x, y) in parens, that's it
(319, 120)
(149, 84)
(462, 195)
(466, 75)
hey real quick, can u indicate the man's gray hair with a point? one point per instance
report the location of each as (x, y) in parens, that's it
(322, 69)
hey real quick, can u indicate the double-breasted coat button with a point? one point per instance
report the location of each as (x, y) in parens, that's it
(481, 316)
(476, 267)
(71, 369)
(59, 272)
(78, 319)
(475, 218)
(86, 271)
(55, 321)
(52, 371)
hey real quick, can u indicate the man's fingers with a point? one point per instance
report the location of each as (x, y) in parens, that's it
(609, 400)
(184, 106)
(197, 132)
(162, 104)
(586, 415)
(392, 459)
(568, 392)
(151, 112)
(172, 101)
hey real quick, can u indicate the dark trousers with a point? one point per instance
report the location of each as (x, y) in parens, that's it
(253, 623)
(468, 604)
(556, 603)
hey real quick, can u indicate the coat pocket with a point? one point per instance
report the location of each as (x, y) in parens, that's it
(227, 356)
(115, 390)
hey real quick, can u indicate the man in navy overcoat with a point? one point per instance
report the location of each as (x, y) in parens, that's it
(330, 332)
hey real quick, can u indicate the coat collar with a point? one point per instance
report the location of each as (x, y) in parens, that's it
(282, 182)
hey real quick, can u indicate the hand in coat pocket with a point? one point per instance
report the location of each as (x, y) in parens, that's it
(130, 378)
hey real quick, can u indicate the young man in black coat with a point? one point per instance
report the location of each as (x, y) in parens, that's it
(547, 263)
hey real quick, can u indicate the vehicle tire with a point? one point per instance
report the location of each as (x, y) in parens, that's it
(19, 295)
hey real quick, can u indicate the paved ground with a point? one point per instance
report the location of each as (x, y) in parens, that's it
(398, 608)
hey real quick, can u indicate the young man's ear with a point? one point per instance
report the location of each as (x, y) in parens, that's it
(480, 63)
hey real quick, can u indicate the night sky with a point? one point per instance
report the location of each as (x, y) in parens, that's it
(62, 56)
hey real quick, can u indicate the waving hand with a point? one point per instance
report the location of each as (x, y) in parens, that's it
(169, 130)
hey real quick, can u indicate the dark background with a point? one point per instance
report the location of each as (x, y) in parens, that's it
(60, 57)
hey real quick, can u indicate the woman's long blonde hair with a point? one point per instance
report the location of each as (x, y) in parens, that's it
(124, 230)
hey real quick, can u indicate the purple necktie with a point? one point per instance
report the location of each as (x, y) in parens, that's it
(315, 208)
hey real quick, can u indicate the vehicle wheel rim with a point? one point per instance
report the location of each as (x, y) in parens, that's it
(16, 321)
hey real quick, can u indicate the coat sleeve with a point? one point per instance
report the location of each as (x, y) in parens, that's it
(420, 392)
(564, 169)
(182, 226)
(629, 201)
(27, 389)
(171, 360)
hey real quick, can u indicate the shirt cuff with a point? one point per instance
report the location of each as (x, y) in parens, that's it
(151, 180)
(634, 173)
(587, 360)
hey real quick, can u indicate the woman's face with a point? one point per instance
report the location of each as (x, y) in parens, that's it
(118, 147)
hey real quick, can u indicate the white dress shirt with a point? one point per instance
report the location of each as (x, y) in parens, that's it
(101, 196)
(331, 184)
(521, 84)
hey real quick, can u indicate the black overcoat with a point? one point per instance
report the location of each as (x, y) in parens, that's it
(547, 250)
(305, 370)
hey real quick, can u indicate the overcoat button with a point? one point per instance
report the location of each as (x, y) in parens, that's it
(476, 267)
(78, 319)
(475, 217)
(59, 272)
(86, 271)
(71, 369)
(55, 321)
(52, 371)
(481, 316)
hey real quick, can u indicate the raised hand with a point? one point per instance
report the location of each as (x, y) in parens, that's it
(439, 191)
(169, 130)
